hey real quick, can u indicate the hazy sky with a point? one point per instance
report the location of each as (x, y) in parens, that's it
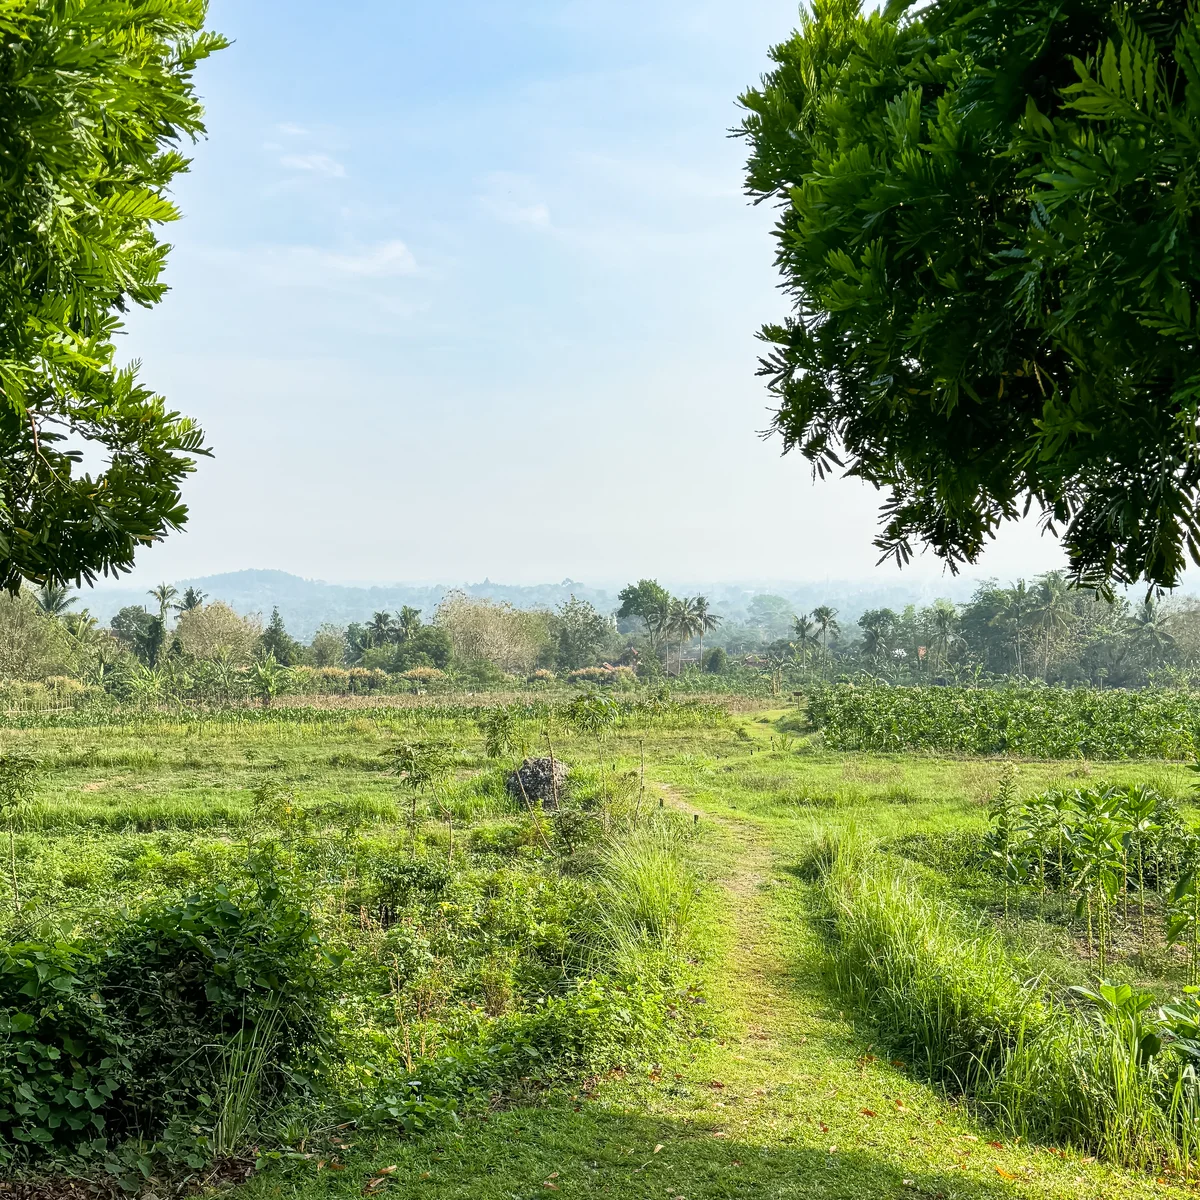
(469, 289)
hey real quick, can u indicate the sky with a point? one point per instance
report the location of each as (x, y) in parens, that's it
(469, 290)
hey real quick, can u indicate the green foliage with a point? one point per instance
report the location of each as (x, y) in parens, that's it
(278, 643)
(582, 633)
(133, 1036)
(1033, 722)
(988, 227)
(96, 99)
(1115, 1078)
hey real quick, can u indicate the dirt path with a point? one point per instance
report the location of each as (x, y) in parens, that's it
(803, 1086)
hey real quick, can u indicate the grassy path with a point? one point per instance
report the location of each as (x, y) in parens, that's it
(790, 1102)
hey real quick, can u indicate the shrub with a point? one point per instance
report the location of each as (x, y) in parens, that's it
(187, 1008)
(605, 676)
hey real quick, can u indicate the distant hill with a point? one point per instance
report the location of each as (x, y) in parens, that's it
(306, 604)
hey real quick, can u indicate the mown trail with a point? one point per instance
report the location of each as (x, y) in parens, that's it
(790, 1101)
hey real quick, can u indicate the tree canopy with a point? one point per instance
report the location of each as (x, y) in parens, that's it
(990, 231)
(95, 98)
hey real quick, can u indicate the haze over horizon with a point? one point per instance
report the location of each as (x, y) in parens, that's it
(476, 296)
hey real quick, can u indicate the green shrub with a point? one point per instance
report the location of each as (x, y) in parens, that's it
(147, 1034)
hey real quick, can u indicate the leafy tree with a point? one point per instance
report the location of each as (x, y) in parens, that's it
(328, 647)
(716, 661)
(423, 646)
(991, 233)
(480, 630)
(96, 99)
(278, 643)
(582, 634)
(32, 646)
(133, 627)
(647, 600)
(215, 631)
(772, 614)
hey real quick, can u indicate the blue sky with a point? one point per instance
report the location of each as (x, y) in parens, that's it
(469, 290)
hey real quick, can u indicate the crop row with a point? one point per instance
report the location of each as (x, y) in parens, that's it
(1031, 722)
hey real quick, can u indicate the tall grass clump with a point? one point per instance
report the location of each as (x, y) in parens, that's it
(944, 993)
(1100, 1069)
(648, 897)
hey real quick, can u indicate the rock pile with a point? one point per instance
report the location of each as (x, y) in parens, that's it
(544, 781)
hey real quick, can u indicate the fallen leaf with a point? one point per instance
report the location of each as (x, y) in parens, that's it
(824, 1127)
(969, 1137)
(901, 1104)
(716, 1083)
(552, 1175)
(720, 1133)
(866, 1112)
(1004, 1174)
(832, 1149)
(657, 1148)
(996, 1145)
(387, 1170)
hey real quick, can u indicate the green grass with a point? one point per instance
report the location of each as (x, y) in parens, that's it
(809, 1103)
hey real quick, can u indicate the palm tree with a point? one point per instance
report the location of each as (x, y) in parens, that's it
(805, 631)
(708, 621)
(54, 598)
(1053, 611)
(1150, 635)
(381, 628)
(409, 622)
(1016, 608)
(945, 635)
(658, 620)
(164, 594)
(192, 598)
(826, 621)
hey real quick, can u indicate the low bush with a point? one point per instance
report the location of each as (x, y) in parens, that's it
(151, 1035)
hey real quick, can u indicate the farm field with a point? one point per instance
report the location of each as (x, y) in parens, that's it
(719, 1035)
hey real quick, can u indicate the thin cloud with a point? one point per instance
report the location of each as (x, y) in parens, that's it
(292, 130)
(319, 267)
(318, 164)
(513, 199)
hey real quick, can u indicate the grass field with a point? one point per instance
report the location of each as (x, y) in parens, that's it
(779, 1087)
